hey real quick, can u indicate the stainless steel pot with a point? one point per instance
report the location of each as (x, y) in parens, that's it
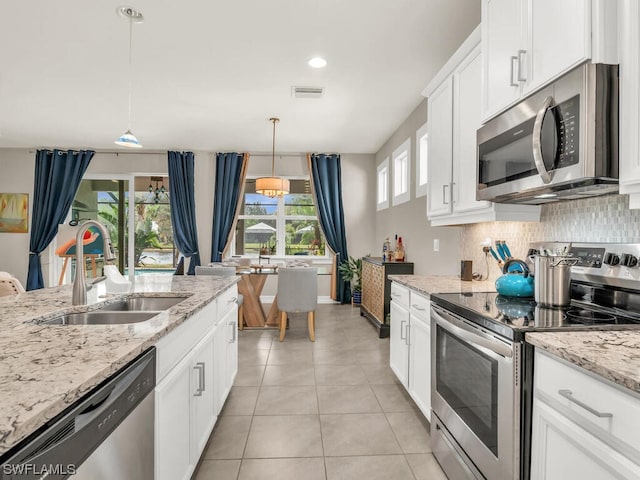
(552, 279)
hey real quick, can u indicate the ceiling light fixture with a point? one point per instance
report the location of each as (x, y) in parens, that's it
(128, 139)
(272, 186)
(317, 62)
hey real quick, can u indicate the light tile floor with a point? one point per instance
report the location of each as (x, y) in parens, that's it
(329, 410)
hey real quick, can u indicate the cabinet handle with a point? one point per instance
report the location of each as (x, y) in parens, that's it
(520, 77)
(512, 61)
(417, 307)
(201, 386)
(233, 300)
(232, 324)
(408, 336)
(444, 194)
(568, 394)
(401, 337)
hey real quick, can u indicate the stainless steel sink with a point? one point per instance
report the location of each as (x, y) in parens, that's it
(101, 318)
(144, 304)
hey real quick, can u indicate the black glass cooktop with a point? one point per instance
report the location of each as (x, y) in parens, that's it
(509, 316)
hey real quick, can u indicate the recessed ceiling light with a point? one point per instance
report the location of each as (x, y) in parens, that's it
(317, 62)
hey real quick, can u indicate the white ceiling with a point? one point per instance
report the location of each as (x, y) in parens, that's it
(208, 74)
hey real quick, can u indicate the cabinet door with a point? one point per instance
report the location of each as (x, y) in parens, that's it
(467, 92)
(501, 42)
(399, 350)
(202, 395)
(220, 366)
(560, 450)
(172, 424)
(440, 149)
(559, 38)
(230, 323)
(420, 363)
(629, 23)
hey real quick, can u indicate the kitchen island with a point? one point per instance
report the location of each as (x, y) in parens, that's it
(45, 368)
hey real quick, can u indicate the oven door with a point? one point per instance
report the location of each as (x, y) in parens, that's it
(475, 393)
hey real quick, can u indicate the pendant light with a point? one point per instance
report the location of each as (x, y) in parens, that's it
(128, 139)
(273, 186)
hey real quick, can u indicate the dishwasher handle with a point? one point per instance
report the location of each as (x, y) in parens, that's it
(69, 439)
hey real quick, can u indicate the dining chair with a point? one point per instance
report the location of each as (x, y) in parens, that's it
(297, 292)
(224, 272)
(9, 285)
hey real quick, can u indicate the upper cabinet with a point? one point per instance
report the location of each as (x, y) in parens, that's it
(630, 100)
(454, 110)
(528, 43)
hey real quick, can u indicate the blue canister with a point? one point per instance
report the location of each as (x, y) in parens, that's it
(515, 283)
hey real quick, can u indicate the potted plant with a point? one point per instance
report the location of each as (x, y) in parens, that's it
(351, 271)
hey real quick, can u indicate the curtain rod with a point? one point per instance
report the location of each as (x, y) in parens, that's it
(104, 152)
(260, 154)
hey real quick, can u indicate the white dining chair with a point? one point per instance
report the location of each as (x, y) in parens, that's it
(9, 285)
(297, 292)
(224, 272)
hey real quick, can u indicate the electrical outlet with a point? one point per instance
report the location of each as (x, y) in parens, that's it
(436, 244)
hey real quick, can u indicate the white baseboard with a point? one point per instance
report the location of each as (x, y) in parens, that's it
(324, 299)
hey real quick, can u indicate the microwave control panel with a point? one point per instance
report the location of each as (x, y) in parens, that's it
(567, 115)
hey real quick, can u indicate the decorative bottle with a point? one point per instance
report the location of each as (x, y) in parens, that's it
(399, 253)
(386, 250)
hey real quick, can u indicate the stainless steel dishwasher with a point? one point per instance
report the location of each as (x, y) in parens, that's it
(107, 434)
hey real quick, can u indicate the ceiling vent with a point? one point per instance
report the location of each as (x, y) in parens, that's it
(307, 92)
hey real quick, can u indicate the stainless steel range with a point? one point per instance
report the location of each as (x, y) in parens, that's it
(482, 371)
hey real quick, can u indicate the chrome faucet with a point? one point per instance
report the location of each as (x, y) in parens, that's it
(79, 284)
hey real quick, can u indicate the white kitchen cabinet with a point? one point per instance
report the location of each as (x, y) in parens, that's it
(410, 344)
(454, 109)
(398, 346)
(420, 353)
(528, 43)
(197, 363)
(582, 426)
(173, 459)
(202, 395)
(629, 23)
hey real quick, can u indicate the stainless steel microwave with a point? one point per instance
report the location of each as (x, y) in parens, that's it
(561, 143)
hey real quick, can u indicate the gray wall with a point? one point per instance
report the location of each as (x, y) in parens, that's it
(409, 220)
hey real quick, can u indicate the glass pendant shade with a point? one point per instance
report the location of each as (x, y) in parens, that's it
(128, 139)
(272, 186)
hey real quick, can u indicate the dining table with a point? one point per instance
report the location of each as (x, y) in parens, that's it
(252, 281)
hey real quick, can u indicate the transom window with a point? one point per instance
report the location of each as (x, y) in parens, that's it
(401, 165)
(383, 185)
(422, 142)
(285, 226)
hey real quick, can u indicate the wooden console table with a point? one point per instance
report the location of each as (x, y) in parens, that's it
(376, 289)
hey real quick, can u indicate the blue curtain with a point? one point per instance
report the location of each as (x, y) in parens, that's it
(57, 178)
(183, 206)
(231, 170)
(327, 186)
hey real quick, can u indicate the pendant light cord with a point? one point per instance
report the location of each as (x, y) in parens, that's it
(273, 149)
(130, 70)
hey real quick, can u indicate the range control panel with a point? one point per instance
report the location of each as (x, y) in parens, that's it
(614, 263)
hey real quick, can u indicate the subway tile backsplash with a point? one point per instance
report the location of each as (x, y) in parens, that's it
(599, 219)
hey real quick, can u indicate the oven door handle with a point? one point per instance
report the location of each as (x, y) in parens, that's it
(464, 332)
(537, 140)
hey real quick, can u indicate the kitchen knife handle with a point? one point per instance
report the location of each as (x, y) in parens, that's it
(506, 249)
(494, 254)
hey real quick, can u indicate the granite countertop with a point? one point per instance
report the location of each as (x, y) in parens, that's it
(614, 355)
(46, 368)
(429, 284)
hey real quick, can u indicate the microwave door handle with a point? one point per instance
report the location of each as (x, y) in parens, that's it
(537, 140)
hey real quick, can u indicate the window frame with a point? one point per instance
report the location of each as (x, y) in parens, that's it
(422, 160)
(383, 170)
(402, 155)
(281, 219)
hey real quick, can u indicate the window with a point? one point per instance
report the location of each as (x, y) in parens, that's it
(279, 226)
(401, 165)
(383, 184)
(422, 139)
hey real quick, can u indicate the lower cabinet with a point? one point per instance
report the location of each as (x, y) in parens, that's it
(410, 344)
(190, 394)
(582, 427)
